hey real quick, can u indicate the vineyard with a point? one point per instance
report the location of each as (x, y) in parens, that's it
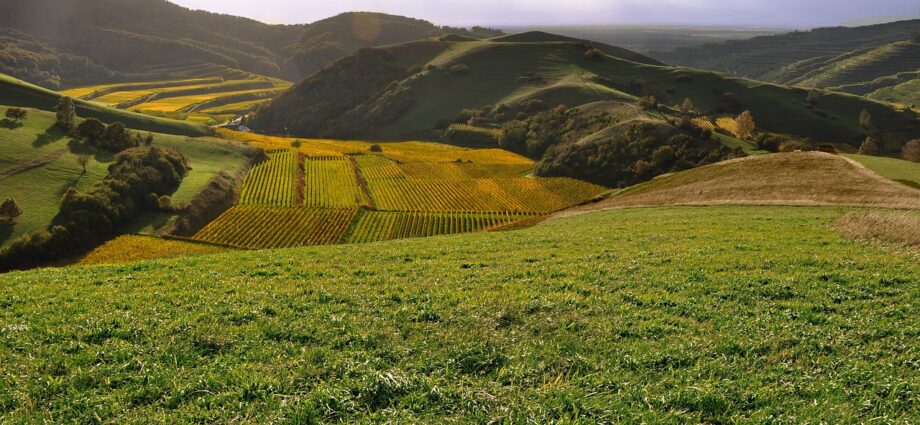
(255, 227)
(728, 124)
(274, 182)
(295, 199)
(331, 182)
(373, 226)
(130, 248)
(217, 95)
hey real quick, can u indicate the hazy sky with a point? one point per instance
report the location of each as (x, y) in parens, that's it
(786, 13)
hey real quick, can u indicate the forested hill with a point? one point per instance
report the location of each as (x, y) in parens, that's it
(62, 43)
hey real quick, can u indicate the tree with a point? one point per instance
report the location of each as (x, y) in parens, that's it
(911, 150)
(10, 210)
(869, 146)
(16, 114)
(117, 138)
(687, 107)
(91, 131)
(745, 125)
(813, 97)
(66, 114)
(376, 148)
(865, 120)
(82, 160)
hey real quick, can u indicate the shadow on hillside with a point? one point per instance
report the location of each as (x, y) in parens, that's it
(6, 230)
(5, 123)
(78, 147)
(50, 135)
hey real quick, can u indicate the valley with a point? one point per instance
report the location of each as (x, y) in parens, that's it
(371, 218)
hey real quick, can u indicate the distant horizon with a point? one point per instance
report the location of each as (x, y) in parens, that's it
(774, 14)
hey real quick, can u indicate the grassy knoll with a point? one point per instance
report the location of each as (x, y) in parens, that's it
(19, 93)
(38, 164)
(898, 170)
(664, 315)
(801, 178)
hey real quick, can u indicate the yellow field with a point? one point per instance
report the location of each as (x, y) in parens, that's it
(224, 82)
(174, 104)
(254, 227)
(130, 248)
(373, 226)
(273, 182)
(728, 124)
(704, 123)
(332, 182)
(400, 151)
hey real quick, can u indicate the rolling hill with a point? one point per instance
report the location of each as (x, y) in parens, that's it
(15, 92)
(867, 61)
(415, 89)
(38, 163)
(800, 178)
(66, 43)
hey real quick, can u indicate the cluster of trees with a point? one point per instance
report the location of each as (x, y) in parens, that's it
(634, 152)
(911, 150)
(137, 180)
(114, 137)
(542, 130)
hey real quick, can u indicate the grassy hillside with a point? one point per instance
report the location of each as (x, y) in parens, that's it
(438, 80)
(38, 164)
(16, 92)
(801, 178)
(899, 170)
(667, 315)
(758, 57)
(66, 43)
(855, 67)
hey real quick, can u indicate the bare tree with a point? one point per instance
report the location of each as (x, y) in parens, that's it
(82, 160)
(745, 125)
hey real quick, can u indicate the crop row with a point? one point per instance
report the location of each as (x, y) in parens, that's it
(378, 167)
(381, 225)
(728, 124)
(273, 182)
(331, 182)
(256, 227)
(704, 123)
(484, 195)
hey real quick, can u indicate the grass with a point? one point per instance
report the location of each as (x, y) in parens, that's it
(901, 228)
(801, 178)
(660, 315)
(133, 248)
(899, 170)
(39, 189)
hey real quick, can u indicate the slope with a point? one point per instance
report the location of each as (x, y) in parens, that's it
(413, 89)
(654, 315)
(38, 163)
(14, 92)
(758, 57)
(65, 43)
(805, 178)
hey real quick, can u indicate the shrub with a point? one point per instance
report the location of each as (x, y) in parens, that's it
(791, 145)
(911, 150)
(296, 144)
(91, 131)
(10, 210)
(460, 69)
(648, 103)
(594, 54)
(869, 146)
(376, 148)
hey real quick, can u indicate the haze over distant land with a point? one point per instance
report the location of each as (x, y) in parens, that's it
(762, 13)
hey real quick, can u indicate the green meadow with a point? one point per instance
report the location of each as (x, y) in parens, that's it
(659, 315)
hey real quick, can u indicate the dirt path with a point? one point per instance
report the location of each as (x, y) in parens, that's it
(33, 164)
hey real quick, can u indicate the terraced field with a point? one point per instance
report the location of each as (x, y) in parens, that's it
(214, 95)
(293, 199)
